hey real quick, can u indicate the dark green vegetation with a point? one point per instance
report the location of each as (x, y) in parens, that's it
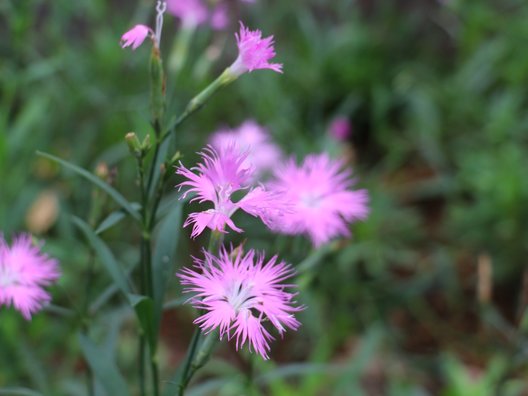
(428, 298)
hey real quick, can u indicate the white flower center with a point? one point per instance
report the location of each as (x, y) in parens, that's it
(7, 277)
(311, 200)
(223, 202)
(239, 295)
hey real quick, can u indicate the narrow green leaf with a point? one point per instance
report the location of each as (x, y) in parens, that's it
(105, 255)
(175, 303)
(103, 367)
(164, 256)
(144, 308)
(116, 195)
(113, 218)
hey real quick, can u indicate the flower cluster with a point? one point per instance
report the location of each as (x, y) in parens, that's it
(238, 293)
(253, 139)
(24, 272)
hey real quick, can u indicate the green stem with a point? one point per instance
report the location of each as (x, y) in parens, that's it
(203, 354)
(142, 382)
(305, 269)
(188, 360)
(154, 162)
(201, 358)
(215, 241)
(199, 100)
(192, 363)
(157, 200)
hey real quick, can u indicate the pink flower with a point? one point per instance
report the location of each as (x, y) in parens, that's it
(220, 16)
(239, 293)
(254, 52)
(24, 271)
(252, 138)
(340, 129)
(135, 36)
(216, 179)
(319, 192)
(191, 12)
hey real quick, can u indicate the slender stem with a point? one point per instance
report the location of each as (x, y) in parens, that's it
(155, 375)
(157, 200)
(142, 382)
(157, 131)
(145, 272)
(188, 360)
(141, 175)
(215, 241)
(199, 100)
(203, 354)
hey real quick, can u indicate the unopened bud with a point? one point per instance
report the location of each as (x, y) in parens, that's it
(133, 144)
(102, 170)
(146, 145)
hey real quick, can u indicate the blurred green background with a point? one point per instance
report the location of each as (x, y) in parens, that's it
(430, 295)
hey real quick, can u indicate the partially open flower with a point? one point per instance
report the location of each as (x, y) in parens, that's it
(135, 36)
(254, 52)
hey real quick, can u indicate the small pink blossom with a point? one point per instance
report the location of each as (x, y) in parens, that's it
(254, 52)
(253, 139)
(220, 16)
(321, 199)
(191, 12)
(24, 271)
(239, 293)
(340, 129)
(135, 36)
(216, 179)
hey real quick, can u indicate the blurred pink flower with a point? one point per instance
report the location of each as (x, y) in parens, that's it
(253, 139)
(191, 12)
(135, 36)
(319, 192)
(340, 129)
(24, 271)
(254, 52)
(220, 16)
(238, 293)
(221, 174)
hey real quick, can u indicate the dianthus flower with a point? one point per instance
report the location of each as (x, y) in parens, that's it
(250, 137)
(216, 179)
(135, 36)
(219, 16)
(238, 293)
(254, 52)
(191, 12)
(24, 271)
(321, 199)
